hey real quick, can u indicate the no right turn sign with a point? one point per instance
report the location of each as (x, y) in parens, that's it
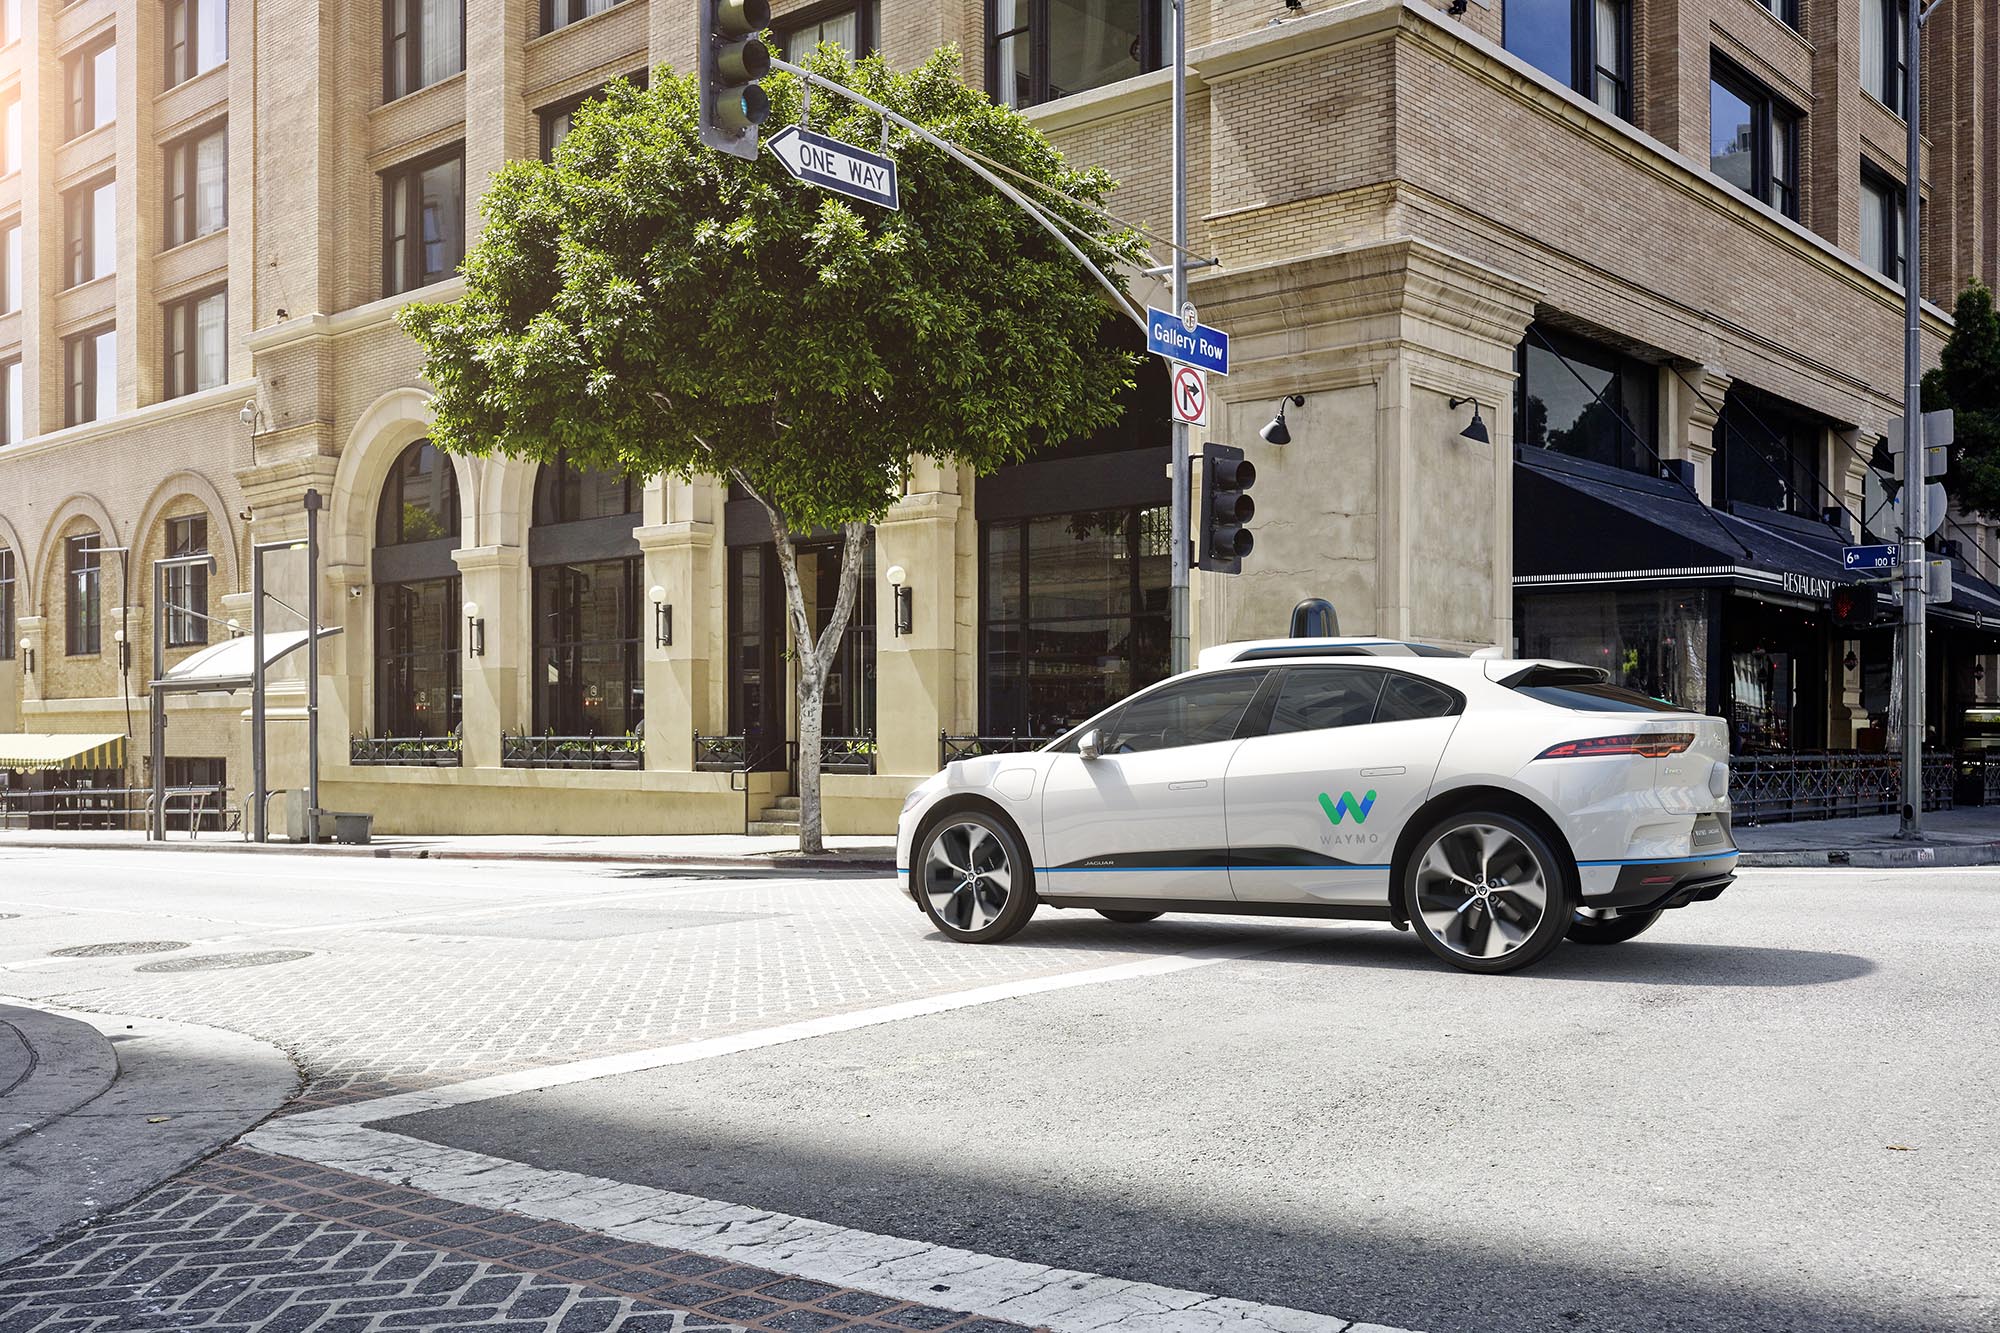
(1190, 394)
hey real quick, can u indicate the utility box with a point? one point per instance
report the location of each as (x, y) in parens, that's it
(342, 826)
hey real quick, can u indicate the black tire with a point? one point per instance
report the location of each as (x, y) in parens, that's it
(973, 877)
(1613, 930)
(1127, 918)
(1500, 864)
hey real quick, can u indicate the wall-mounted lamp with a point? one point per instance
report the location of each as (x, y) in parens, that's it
(235, 629)
(251, 415)
(28, 656)
(906, 600)
(475, 630)
(124, 651)
(1278, 432)
(663, 618)
(1476, 431)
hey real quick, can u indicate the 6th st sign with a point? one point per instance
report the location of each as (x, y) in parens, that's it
(840, 167)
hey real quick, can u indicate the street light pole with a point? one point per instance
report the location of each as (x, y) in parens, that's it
(1180, 657)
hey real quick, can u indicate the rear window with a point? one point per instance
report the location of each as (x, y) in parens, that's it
(1586, 693)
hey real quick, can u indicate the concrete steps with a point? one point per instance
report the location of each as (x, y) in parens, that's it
(780, 819)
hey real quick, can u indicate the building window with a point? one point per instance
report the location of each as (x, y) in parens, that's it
(6, 605)
(1785, 11)
(197, 37)
(423, 42)
(1882, 204)
(1581, 398)
(1753, 138)
(417, 601)
(855, 28)
(587, 675)
(187, 585)
(1770, 453)
(10, 410)
(91, 76)
(10, 139)
(90, 363)
(10, 22)
(1584, 44)
(562, 13)
(559, 118)
(197, 185)
(1885, 50)
(423, 222)
(84, 625)
(1074, 615)
(12, 275)
(1038, 50)
(197, 340)
(90, 230)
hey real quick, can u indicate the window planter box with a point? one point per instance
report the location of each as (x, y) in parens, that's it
(405, 752)
(599, 752)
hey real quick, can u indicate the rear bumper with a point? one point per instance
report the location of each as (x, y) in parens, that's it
(1656, 885)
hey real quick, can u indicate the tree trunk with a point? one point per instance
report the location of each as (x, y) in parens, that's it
(815, 654)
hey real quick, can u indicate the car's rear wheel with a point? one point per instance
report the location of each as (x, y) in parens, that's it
(974, 877)
(1486, 892)
(1125, 917)
(1610, 930)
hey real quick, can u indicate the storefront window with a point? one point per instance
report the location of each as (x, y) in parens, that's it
(1653, 640)
(588, 680)
(1770, 454)
(1075, 616)
(1587, 400)
(417, 598)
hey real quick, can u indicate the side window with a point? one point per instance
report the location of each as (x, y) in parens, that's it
(1316, 698)
(1405, 699)
(1193, 712)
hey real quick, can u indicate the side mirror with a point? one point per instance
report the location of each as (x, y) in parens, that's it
(1088, 745)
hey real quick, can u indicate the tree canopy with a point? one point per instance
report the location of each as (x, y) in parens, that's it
(1967, 380)
(654, 306)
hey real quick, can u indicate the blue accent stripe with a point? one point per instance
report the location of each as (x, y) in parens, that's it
(1660, 860)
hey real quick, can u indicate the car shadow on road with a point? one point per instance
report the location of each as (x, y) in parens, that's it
(1640, 962)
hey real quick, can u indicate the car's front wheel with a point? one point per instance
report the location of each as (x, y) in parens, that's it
(1610, 930)
(1486, 892)
(974, 878)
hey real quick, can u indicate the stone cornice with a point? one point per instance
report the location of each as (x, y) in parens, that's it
(208, 400)
(356, 319)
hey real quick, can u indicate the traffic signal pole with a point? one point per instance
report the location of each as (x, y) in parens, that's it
(1180, 658)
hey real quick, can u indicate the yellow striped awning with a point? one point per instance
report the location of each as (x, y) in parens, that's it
(43, 752)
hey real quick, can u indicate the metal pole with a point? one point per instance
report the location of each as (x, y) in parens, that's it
(1915, 527)
(314, 503)
(1180, 657)
(259, 794)
(156, 712)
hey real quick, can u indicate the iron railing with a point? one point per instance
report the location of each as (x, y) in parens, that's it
(952, 747)
(406, 751)
(1780, 788)
(572, 752)
(720, 754)
(847, 754)
(73, 808)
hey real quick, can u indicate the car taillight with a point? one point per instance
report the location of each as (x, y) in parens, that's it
(1653, 745)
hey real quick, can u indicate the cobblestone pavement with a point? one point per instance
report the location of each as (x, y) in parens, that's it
(420, 975)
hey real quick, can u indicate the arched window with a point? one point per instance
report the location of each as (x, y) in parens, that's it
(420, 500)
(588, 680)
(417, 689)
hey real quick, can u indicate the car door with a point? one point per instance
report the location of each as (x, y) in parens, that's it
(1144, 819)
(1315, 803)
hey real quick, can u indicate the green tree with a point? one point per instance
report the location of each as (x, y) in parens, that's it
(655, 307)
(1967, 380)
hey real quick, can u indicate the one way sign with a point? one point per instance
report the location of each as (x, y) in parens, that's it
(840, 167)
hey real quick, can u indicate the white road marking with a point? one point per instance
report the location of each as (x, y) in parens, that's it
(1062, 1300)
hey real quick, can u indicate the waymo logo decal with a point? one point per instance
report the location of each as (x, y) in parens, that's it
(1347, 805)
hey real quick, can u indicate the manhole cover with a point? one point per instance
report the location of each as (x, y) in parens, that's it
(118, 948)
(207, 962)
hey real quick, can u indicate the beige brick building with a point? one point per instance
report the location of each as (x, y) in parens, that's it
(214, 208)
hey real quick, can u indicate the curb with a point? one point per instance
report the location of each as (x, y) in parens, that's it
(779, 861)
(1879, 858)
(69, 1064)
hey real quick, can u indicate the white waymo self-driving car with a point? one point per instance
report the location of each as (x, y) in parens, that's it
(1495, 806)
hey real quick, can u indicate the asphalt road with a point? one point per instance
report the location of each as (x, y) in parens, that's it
(1774, 1112)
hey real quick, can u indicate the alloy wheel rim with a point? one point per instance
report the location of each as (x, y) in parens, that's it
(1481, 890)
(968, 876)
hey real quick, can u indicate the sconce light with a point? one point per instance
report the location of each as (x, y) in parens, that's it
(1476, 431)
(1278, 432)
(251, 415)
(1851, 661)
(906, 600)
(475, 630)
(663, 618)
(28, 656)
(124, 651)
(235, 629)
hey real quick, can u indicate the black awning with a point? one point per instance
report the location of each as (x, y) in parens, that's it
(1578, 522)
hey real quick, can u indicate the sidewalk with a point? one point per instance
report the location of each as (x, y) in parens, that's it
(865, 854)
(1969, 837)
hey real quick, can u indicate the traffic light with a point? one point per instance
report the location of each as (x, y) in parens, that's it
(1855, 606)
(733, 57)
(1226, 506)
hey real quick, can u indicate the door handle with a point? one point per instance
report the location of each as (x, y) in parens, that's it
(1383, 772)
(1186, 786)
